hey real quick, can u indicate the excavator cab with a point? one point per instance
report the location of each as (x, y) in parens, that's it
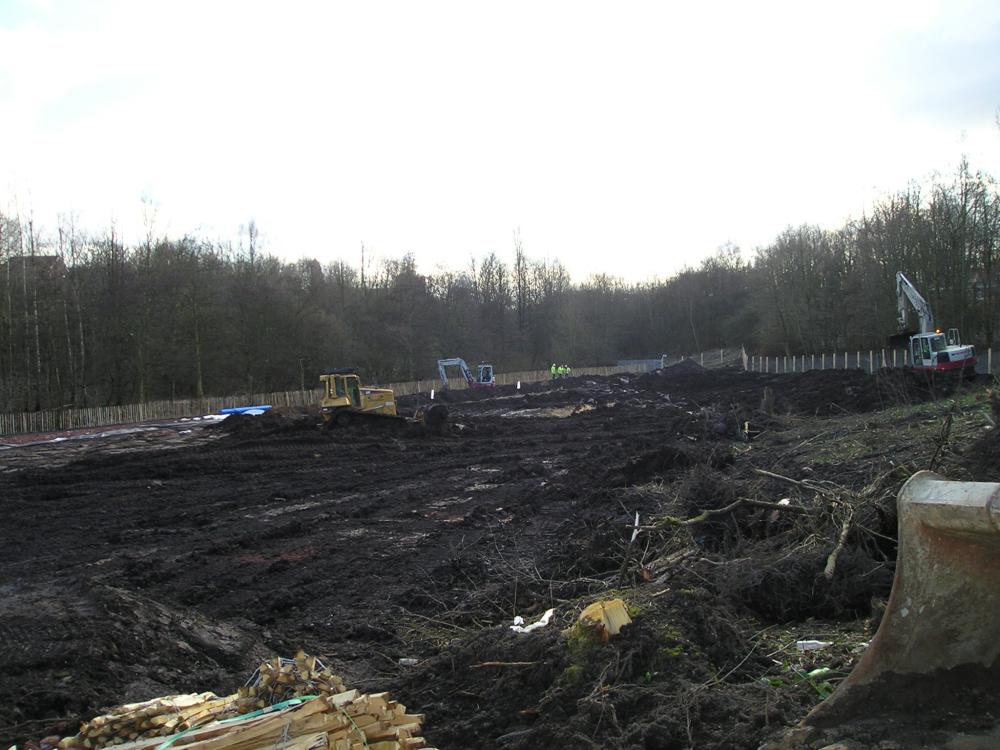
(486, 375)
(942, 353)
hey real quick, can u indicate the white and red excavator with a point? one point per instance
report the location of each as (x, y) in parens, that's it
(930, 349)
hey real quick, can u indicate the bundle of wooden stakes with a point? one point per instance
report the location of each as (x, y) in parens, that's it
(158, 717)
(293, 704)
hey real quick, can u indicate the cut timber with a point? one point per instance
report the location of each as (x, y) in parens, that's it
(608, 617)
(153, 718)
(278, 680)
(336, 719)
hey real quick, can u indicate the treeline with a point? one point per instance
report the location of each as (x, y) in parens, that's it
(86, 320)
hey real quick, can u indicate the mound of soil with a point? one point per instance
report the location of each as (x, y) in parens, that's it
(982, 458)
(684, 366)
(570, 689)
(270, 421)
(136, 571)
(72, 644)
(814, 393)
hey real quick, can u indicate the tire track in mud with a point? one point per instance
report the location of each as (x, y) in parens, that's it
(336, 543)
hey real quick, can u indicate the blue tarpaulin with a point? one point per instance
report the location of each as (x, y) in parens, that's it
(245, 409)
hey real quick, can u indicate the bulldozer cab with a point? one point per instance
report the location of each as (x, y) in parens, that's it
(354, 390)
(342, 390)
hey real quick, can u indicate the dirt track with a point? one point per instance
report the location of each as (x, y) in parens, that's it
(164, 562)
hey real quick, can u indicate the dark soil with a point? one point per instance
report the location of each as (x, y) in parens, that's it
(167, 563)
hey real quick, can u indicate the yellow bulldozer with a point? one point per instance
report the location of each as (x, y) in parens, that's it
(345, 401)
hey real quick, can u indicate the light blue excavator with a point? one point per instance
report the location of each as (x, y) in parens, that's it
(482, 378)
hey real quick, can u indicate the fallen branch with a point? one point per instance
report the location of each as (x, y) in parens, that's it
(628, 551)
(434, 620)
(831, 561)
(808, 484)
(776, 506)
(710, 513)
(482, 664)
(943, 437)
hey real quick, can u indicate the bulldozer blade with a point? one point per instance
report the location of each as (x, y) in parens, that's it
(933, 664)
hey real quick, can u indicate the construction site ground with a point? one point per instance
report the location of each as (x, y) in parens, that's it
(177, 559)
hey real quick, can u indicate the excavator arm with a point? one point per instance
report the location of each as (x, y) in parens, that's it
(908, 296)
(444, 364)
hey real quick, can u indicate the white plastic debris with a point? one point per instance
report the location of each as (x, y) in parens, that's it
(406, 662)
(812, 645)
(520, 627)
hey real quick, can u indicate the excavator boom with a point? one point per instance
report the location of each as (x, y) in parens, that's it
(908, 296)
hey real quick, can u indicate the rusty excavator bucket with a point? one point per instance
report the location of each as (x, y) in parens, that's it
(931, 676)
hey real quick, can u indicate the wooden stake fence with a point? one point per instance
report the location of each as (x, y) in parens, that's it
(875, 359)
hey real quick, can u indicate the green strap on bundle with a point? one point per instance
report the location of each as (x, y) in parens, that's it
(252, 715)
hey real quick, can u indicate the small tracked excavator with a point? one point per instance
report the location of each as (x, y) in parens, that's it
(484, 376)
(345, 402)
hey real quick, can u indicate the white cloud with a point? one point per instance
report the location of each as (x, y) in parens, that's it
(631, 139)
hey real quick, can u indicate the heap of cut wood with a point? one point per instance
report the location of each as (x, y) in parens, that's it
(280, 679)
(287, 705)
(158, 717)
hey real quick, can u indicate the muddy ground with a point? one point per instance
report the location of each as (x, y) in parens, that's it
(175, 560)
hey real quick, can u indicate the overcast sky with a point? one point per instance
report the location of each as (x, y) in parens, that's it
(631, 138)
